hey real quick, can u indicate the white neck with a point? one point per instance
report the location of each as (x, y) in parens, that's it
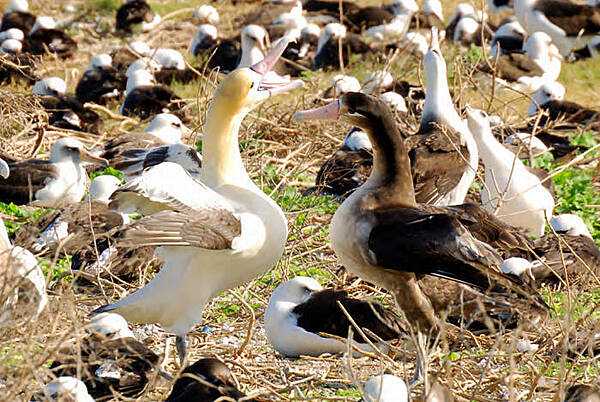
(492, 153)
(438, 103)
(251, 54)
(221, 159)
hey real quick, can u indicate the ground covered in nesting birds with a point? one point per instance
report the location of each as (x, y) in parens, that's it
(283, 157)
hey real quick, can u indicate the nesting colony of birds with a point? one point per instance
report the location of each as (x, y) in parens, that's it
(300, 200)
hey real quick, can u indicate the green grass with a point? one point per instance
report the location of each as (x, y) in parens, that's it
(58, 271)
(575, 194)
(105, 6)
(20, 215)
(110, 171)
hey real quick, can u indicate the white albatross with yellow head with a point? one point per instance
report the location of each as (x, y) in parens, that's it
(214, 233)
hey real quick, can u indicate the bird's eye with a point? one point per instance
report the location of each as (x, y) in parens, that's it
(252, 85)
(177, 124)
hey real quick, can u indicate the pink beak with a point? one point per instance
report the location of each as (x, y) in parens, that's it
(270, 81)
(267, 64)
(327, 112)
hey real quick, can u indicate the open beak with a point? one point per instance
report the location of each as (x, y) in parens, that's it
(267, 84)
(89, 157)
(331, 111)
(4, 169)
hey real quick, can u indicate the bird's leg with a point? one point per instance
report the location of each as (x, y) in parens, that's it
(422, 363)
(181, 345)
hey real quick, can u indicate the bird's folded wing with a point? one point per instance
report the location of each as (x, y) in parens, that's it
(571, 17)
(172, 186)
(415, 241)
(25, 179)
(212, 229)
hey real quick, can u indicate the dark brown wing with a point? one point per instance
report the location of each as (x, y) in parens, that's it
(570, 112)
(437, 244)
(344, 172)
(146, 101)
(210, 229)
(573, 259)
(18, 19)
(132, 359)
(52, 41)
(485, 227)
(368, 17)
(421, 20)
(571, 17)
(26, 178)
(121, 145)
(321, 313)
(511, 67)
(436, 163)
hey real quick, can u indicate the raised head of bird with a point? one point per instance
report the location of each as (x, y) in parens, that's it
(145, 63)
(395, 101)
(241, 91)
(385, 388)
(206, 14)
(167, 127)
(291, 20)
(12, 33)
(169, 58)
(71, 149)
(101, 61)
(549, 91)
(465, 30)
(512, 28)
(102, 187)
(570, 224)
(43, 22)
(254, 45)
(462, 10)
(416, 42)
(50, 86)
(140, 47)
(331, 31)
(436, 82)
(434, 7)
(539, 48)
(110, 326)
(310, 33)
(11, 46)
(377, 81)
(21, 6)
(244, 88)
(344, 83)
(207, 30)
(404, 7)
(139, 78)
(67, 389)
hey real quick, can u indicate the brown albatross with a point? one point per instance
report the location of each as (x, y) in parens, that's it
(384, 236)
(61, 180)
